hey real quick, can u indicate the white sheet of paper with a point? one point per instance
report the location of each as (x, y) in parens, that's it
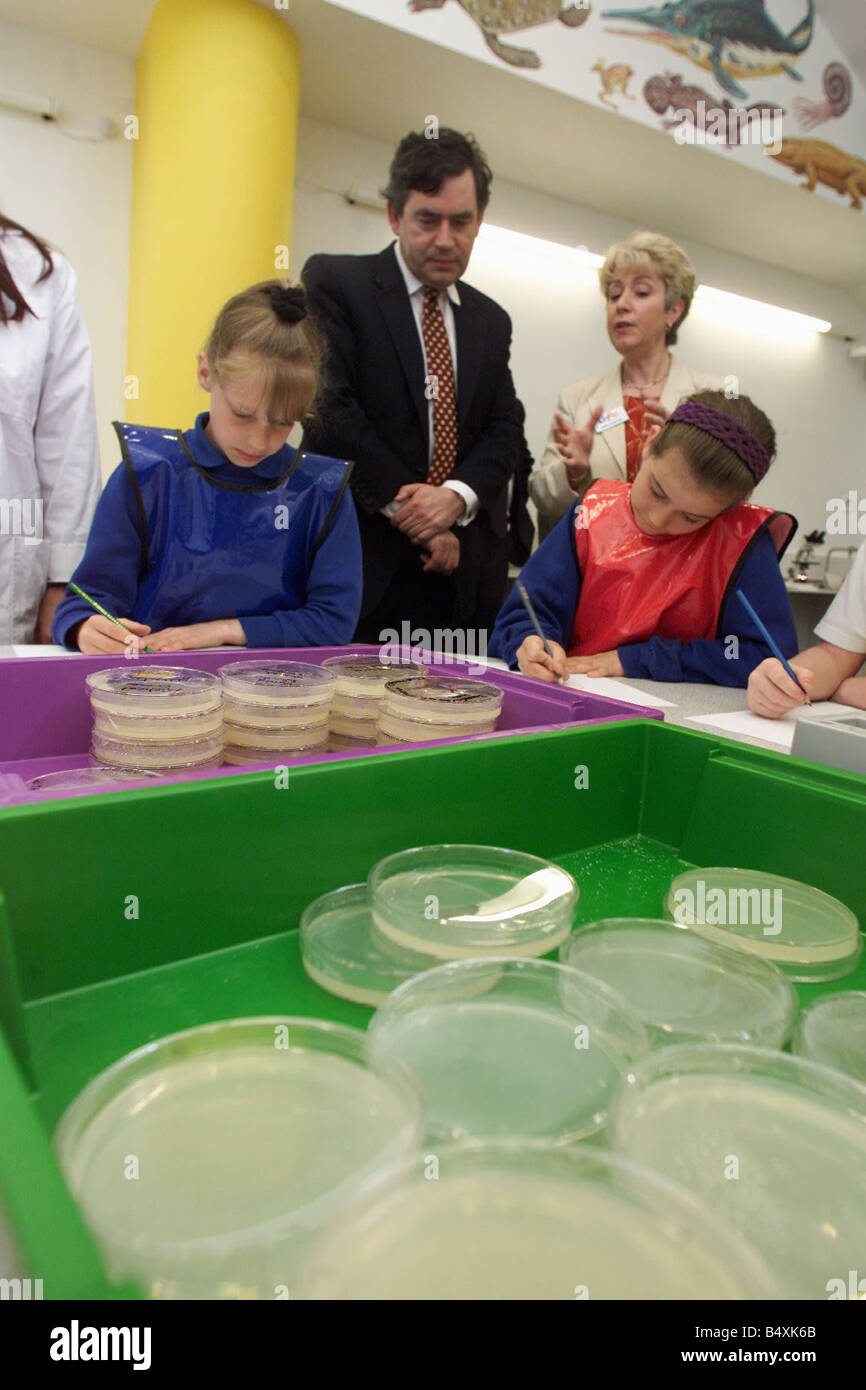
(48, 650)
(616, 690)
(780, 731)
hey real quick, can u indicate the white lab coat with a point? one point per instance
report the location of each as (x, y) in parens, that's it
(49, 452)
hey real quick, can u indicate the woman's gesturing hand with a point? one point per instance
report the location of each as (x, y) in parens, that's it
(575, 446)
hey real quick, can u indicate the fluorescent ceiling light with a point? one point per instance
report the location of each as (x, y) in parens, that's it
(748, 313)
(754, 313)
(533, 245)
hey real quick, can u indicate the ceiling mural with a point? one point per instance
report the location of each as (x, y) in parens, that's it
(759, 81)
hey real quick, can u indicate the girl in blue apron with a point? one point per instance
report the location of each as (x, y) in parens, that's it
(224, 535)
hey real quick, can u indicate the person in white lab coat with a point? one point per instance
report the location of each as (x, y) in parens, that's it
(49, 454)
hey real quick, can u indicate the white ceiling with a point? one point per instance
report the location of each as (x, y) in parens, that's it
(535, 137)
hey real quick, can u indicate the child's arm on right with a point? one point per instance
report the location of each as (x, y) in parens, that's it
(822, 671)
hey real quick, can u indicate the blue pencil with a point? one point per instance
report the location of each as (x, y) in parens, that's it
(769, 640)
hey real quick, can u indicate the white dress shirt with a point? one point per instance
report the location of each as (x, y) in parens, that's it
(415, 290)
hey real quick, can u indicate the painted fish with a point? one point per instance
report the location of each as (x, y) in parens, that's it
(729, 38)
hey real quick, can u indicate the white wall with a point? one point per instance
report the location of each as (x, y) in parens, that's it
(75, 192)
(814, 394)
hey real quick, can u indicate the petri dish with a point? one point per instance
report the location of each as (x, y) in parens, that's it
(397, 730)
(159, 690)
(152, 728)
(174, 756)
(75, 778)
(277, 740)
(810, 935)
(519, 1220)
(341, 956)
(832, 1032)
(440, 700)
(347, 727)
(453, 901)
(684, 988)
(246, 1136)
(505, 1048)
(774, 1144)
(361, 682)
(344, 743)
(290, 684)
(261, 716)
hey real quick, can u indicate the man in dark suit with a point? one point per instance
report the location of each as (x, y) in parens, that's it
(419, 394)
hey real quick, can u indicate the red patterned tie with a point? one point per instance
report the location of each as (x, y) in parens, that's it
(440, 388)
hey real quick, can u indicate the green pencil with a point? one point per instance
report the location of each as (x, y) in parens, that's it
(104, 611)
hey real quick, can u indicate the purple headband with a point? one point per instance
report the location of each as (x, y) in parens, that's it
(730, 432)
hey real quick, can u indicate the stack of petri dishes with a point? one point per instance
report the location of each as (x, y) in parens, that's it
(420, 708)
(274, 708)
(423, 906)
(159, 718)
(359, 695)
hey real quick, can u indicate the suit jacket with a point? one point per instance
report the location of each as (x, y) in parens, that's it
(548, 484)
(374, 410)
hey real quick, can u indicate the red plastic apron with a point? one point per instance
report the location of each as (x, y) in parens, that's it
(635, 586)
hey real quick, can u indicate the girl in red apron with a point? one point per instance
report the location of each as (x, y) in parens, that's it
(639, 579)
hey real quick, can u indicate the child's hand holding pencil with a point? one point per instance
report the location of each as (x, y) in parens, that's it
(98, 636)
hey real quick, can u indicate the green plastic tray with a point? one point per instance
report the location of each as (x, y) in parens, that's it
(126, 918)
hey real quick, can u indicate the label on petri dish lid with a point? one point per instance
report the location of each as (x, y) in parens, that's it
(287, 682)
(120, 688)
(438, 691)
(372, 669)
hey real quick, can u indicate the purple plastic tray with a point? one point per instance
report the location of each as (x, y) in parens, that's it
(45, 719)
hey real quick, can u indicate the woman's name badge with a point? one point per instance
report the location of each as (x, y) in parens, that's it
(618, 416)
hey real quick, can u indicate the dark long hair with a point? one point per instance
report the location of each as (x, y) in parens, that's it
(8, 286)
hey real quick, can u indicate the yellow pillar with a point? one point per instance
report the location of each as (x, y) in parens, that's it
(213, 176)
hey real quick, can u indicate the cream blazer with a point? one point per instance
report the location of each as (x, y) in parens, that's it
(548, 485)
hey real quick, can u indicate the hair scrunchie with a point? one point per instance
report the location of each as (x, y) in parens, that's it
(288, 302)
(730, 432)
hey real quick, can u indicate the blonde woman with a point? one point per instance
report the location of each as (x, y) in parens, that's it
(602, 423)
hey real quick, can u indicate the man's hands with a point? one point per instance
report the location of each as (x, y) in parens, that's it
(425, 511)
(443, 553)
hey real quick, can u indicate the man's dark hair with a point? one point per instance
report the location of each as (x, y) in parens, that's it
(424, 164)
